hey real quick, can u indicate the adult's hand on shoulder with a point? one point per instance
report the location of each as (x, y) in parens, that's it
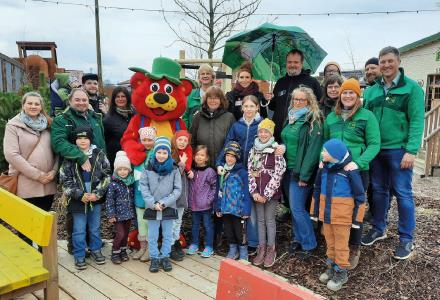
(87, 166)
(407, 161)
(351, 166)
(302, 183)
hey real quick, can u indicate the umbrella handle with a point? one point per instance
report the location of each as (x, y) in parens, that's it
(271, 72)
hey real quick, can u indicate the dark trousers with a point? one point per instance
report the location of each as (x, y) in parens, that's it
(235, 228)
(45, 203)
(356, 233)
(122, 229)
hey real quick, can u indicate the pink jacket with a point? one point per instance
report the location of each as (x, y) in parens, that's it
(18, 142)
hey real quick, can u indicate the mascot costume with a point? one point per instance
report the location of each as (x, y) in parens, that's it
(159, 98)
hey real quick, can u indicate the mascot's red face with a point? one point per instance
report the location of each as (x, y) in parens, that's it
(160, 100)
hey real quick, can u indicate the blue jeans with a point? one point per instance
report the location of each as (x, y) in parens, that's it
(386, 175)
(90, 222)
(301, 223)
(252, 227)
(153, 236)
(197, 217)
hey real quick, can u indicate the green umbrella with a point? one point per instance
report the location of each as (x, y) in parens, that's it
(267, 46)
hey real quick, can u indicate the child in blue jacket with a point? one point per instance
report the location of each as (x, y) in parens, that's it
(233, 202)
(339, 202)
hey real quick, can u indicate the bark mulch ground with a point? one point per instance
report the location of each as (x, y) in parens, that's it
(378, 275)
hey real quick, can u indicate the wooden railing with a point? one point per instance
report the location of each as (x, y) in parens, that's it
(432, 156)
(432, 123)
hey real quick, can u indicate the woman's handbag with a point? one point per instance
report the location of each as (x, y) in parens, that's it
(9, 182)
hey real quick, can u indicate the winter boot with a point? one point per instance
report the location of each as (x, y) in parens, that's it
(327, 275)
(259, 259)
(339, 278)
(141, 251)
(146, 256)
(116, 257)
(124, 255)
(174, 254)
(233, 251)
(244, 253)
(355, 253)
(166, 264)
(271, 255)
(179, 249)
(155, 265)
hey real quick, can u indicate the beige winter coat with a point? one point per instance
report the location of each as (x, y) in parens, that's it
(17, 145)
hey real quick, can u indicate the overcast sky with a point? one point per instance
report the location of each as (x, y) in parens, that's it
(136, 38)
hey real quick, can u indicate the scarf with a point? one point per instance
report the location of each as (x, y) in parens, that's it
(124, 112)
(259, 146)
(295, 114)
(256, 117)
(345, 113)
(250, 90)
(164, 168)
(129, 180)
(89, 152)
(39, 124)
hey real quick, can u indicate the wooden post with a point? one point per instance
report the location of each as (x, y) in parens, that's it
(182, 56)
(98, 48)
(50, 262)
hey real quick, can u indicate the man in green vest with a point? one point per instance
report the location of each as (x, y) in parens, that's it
(398, 104)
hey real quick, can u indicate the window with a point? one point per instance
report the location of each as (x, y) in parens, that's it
(437, 56)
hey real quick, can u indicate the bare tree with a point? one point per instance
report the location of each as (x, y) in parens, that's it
(206, 23)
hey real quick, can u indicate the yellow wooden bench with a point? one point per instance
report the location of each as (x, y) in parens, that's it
(22, 268)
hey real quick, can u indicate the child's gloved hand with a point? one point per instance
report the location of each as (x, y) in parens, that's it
(355, 226)
(190, 174)
(112, 220)
(220, 170)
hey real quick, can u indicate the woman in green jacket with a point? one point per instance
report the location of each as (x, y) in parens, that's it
(206, 79)
(357, 127)
(303, 139)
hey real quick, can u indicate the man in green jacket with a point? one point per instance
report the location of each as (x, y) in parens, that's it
(76, 115)
(398, 104)
(206, 79)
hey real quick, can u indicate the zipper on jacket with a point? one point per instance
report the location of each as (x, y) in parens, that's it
(245, 145)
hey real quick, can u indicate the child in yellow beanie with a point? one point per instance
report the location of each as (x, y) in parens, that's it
(265, 170)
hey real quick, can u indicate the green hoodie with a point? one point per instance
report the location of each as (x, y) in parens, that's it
(65, 123)
(360, 134)
(400, 113)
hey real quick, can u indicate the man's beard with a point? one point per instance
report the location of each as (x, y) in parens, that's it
(293, 72)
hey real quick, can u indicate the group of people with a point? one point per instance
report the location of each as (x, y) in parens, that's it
(324, 147)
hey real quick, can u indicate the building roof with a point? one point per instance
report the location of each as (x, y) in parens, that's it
(427, 40)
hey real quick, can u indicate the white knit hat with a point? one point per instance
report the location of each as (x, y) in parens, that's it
(122, 160)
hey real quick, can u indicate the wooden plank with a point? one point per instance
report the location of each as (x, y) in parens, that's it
(26, 297)
(136, 283)
(199, 268)
(100, 281)
(76, 287)
(212, 262)
(62, 295)
(164, 281)
(32, 221)
(50, 262)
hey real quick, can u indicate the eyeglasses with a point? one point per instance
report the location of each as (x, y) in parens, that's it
(213, 98)
(299, 100)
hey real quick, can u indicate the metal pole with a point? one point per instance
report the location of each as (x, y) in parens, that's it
(98, 46)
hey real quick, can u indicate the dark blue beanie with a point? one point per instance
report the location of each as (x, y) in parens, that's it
(336, 148)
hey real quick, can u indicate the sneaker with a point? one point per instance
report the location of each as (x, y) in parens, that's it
(338, 280)
(261, 252)
(124, 255)
(80, 264)
(327, 275)
(116, 257)
(207, 252)
(192, 249)
(233, 252)
(154, 265)
(146, 256)
(355, 254)
(404, 250)
(294, 247)
(179, 249)
(97, 257)
(243, 251)
(372, 236)
(271, 255)
(166, 264)
(252, 250)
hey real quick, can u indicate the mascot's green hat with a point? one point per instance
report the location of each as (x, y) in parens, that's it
(163, 67)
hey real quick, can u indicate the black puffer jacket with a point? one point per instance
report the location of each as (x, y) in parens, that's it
(281, 100)
(114, 127)
(210, 129)
(235, 99)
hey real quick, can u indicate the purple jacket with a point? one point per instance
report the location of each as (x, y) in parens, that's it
(202, 189)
